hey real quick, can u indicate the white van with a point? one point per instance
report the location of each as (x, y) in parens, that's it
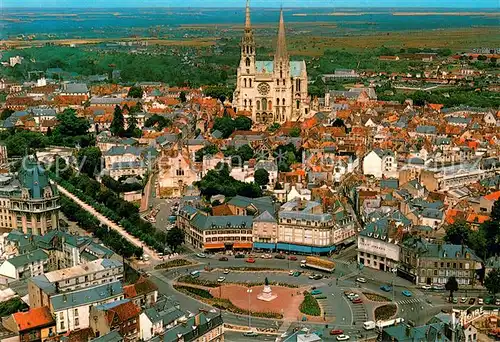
(369, 325)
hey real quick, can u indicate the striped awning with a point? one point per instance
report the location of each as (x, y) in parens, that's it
(215, 245)
(242, 245)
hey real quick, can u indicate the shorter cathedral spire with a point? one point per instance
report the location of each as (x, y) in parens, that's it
(281, 50)
(247, 16)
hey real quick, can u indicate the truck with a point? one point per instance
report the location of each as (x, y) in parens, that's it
(318, 264)
(384, 324)
(369, 325)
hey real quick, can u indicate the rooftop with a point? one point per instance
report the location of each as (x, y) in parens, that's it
(34, 318)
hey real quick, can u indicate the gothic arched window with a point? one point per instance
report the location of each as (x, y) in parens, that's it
(250, 102)
(283, 102)
(258, 105)
(270, 105)
(247, 62)
(298, 104)
(250, 85)
(245, 82)
(264, 104)
(245, 102)
(277, 102)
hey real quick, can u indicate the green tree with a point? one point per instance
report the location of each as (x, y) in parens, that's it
(6, 113)
(274, 127)
(117, 126)
(70, 125)
(295, 132)
(175, 238)
(242, 123)
(458, 233)
(261, 177)
(182, 97)
(135, 92)
(451, 285)
(225, 125)
(492, 281)
(207, 150)
(157, 121)
(89, 160)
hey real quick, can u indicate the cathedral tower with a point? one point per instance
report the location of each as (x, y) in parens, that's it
(247, 64)
(282, 75)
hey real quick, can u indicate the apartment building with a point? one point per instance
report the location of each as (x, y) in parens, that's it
(434, 263)
(24, 266)
(29, 202)
(98, 272)
(121, 316)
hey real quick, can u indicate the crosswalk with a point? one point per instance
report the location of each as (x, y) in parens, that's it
(410, 301)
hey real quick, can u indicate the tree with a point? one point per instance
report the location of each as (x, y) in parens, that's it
(242, 123)
(89, 160)
(182, 97)
(70, 125)
(274, 127)
(458, 233)
(6, 113)
(117, 126)
(175, 238)
(207, 150)
(261, 177)
(157, 121)
(295, 132)
(135, 92)
(451, 285)
(492, 281)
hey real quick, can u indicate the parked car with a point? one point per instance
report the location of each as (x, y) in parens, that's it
(239, 256)
(292, 257)
(318, 277)
(463, 300)
(336, 332)
(480, 301)
(438, 287)
(455, 300)
(497, 302)
(312, 276)
(223, 258)
(201, 255)
(280, 256)
(361, 280)
(386, 288)
(297, 273)
(226, 271)
(472, 301)
(426, 287)
(406, 293)
(343, 338)
(250, 334)
(221, 279)
(266, 256)
(357, 301)
(316, 292)
(250, 260)
(489, 300)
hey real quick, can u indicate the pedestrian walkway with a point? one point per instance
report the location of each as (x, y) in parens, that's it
(284, 327)
(410, 301)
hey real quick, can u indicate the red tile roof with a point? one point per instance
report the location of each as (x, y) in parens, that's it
(494, 196)
(124, 312)
(34, 318)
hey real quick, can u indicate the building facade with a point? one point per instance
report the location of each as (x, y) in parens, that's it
(434, 263)
(273, 91)
(29, 202)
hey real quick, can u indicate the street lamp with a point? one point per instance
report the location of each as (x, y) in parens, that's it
(249, 291)
(394, 271)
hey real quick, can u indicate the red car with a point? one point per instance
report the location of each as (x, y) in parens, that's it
(336, 332)
(250, 260)
(292, 257)
(357, 301)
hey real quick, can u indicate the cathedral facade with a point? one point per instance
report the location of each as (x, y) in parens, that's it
(273, 91)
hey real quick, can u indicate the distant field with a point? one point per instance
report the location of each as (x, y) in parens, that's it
(310, 45)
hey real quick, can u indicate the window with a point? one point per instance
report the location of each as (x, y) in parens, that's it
(250, 81)
(278, 83)
(298, 104)
(245, 82)
(277, 102)
(77, 321)
(247, 62)
(62, 326)
(75, 313)
(258, 105)
(245, 102)
(264, 104)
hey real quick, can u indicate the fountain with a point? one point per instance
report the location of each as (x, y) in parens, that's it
(267, 294)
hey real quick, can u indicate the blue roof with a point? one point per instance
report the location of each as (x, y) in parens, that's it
(86, 296)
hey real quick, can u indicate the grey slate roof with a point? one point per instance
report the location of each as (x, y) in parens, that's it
(265, 217)
(28, 258)
(426, 129)
(204, 222)
(86, 296)
(261, 203)
(112, 336)
(75, 88)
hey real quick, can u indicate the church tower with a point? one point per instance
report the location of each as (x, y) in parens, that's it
(282, 76)
(246, 70)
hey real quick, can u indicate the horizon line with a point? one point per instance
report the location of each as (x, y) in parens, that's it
(261, 7)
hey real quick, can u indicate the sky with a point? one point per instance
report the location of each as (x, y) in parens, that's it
(476, 4)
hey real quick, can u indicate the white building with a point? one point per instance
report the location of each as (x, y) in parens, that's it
(303, 194)
(380, 163)
(24, 266)
(72, 310)
(13, 61)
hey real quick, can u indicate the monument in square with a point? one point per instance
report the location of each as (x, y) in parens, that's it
(267, 294)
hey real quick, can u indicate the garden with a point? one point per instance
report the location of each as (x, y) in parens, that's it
(385, 312)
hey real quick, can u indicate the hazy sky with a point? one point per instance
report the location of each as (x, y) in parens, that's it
(254, 3)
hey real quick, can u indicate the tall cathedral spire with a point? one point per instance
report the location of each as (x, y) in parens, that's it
(248, 24)
(281, 50)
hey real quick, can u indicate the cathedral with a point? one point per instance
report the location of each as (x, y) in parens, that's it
(273, 91)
